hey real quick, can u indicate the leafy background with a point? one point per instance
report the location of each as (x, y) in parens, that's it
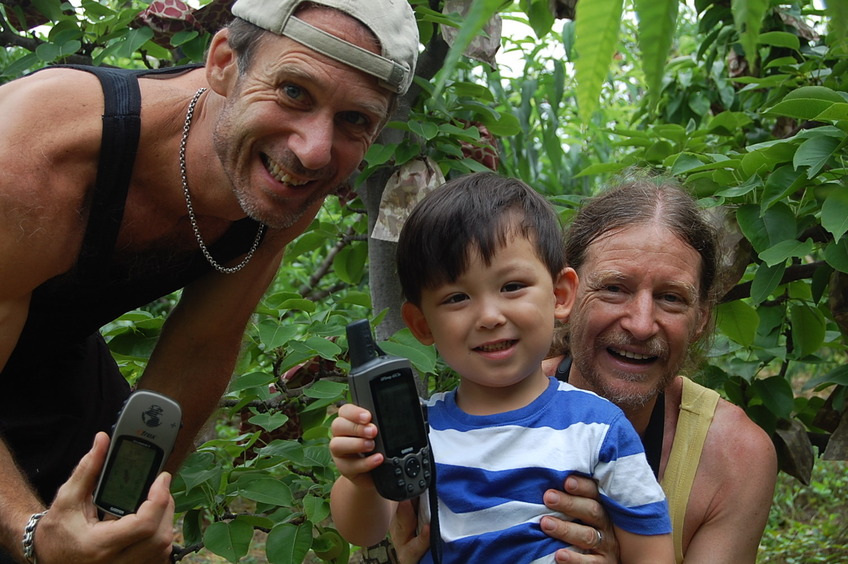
(743, 101)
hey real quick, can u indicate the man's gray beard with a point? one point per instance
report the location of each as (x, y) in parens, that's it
(627, 401)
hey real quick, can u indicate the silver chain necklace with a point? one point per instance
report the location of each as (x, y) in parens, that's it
(191, 216)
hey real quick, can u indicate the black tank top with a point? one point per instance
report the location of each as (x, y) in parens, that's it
(99, 288)
(61, 384)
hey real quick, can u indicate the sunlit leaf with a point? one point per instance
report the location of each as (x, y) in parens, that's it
(596, 33)
(748, 17)
(657, 21)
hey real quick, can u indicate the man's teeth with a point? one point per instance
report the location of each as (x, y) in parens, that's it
(501, 346)
(631, 355)
(281, 175)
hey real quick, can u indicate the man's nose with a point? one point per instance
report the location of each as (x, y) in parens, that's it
(640, 319)
(312, 141)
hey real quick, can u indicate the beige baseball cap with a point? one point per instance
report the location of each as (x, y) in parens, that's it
(392, 21)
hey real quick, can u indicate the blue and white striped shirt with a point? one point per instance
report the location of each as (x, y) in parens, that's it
(493, 470)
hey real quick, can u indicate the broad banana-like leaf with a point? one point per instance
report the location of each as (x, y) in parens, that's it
(597, 25)
(657, 22)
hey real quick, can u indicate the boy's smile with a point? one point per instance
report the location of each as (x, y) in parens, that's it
(494, 324)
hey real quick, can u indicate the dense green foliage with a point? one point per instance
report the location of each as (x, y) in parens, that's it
(746, 102)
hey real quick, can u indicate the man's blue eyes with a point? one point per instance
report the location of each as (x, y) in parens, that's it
(293, 91)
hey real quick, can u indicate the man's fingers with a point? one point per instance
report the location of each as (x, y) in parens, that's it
(587, 510)
(582, 487)
(83, 480)
(410, 547)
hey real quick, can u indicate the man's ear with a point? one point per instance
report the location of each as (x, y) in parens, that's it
(565, 292)
(702, 323)
(221, 64)
(417, 323)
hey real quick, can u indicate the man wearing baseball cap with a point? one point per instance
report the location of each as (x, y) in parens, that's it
(133, 184)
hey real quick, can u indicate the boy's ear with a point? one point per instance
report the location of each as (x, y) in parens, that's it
(221, 64)
(417, 323)
(565, 292)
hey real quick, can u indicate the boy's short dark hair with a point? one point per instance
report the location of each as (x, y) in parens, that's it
(473, 212)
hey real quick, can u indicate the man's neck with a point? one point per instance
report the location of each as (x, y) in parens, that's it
(638, 416)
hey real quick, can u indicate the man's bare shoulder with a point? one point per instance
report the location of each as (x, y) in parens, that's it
(737, 440)
(49, 141)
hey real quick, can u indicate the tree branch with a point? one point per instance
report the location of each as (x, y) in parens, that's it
(793, 273)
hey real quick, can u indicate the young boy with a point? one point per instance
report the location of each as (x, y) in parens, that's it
(481, 266)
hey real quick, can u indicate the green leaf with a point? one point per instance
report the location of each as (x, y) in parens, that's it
(193, 526)
(815, 92)
(834, 212)
(779, 253)
(251, 380)
(424, 129)
(266, 490)
(309, 241)
(808, 329)
(836, 255)
(799, 108)
(325, 389)
(380, 154)
(506, 125)
(48, 52)
(780, 223)
(838, 376)
(748, 17)
(270, 421)
(134, 40)
(751, 224)
(814, 153)
(423, 358)
(228, 540)
(289, 450)
(199, 468)
(657, 23)
(728, 123)
(765, 281)
(474, 91)
(596, 25)
(837, 10)
(738, 321)
(288, 543)
(836, 112)
(349, 263)
(685, 162)
(540, 16)
(323, 347)
(780, 39)
(273, 334)
(316, 508)
(781, 183)
(776, 394)
(301, 304)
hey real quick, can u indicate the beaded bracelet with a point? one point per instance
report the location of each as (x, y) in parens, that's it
(28, 543)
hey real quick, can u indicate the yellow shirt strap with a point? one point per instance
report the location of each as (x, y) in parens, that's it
(697, 407)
